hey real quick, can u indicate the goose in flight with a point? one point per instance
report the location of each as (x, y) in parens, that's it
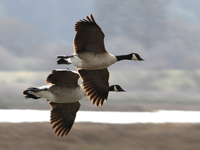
(90, 52)
(63, 94)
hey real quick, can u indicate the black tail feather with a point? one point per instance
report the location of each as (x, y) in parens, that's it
(63, 61)
(27, 95)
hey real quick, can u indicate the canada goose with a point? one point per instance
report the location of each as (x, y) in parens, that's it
(63, 95)
(90, 52)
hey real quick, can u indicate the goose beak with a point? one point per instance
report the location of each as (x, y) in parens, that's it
(121, 90)
(141, 59)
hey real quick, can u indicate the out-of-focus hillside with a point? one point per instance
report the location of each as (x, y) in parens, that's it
(167, 87)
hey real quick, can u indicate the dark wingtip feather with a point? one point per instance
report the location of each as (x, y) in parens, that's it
(91, 16)
(98, 101)
(101, 104)
(88, 18)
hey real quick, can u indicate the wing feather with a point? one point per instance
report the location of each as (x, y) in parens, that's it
(89, 37)
(95, 84)
(63, 78)
(63, 116)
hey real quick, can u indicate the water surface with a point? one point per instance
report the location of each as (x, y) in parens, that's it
(161, 116)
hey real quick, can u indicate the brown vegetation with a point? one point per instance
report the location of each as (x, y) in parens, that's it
(91, 136)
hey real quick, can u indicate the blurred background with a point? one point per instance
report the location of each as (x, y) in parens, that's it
(166, 33)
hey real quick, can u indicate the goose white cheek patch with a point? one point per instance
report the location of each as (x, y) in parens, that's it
(115, 89)
(134, 57)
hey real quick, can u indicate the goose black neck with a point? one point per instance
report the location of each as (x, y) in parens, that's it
(111, 88)
(123, 57)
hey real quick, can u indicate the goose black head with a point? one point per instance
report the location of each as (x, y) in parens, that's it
(116, 88)
(136, 57)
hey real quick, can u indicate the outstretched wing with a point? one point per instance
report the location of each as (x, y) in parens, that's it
(89, 36)
(63, 116)
(95, 84)
(63, 78)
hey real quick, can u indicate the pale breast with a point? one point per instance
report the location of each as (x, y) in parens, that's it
(67, 95)
(92, 61)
